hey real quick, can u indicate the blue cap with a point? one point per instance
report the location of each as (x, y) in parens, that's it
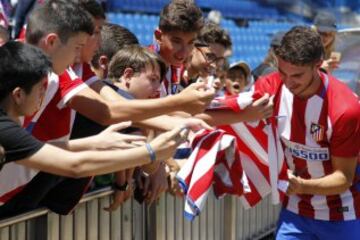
(325, 22)
(276, 39)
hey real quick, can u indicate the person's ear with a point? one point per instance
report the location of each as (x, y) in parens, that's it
(18, 95)
(318, 64)
(51, 40)
(127, 76)
(158, 35)
(128, 73)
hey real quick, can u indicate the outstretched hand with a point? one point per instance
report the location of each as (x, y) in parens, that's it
(110, 138)
(196, 97)
(166, 143)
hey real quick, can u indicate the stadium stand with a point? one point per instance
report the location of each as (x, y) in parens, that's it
(251, 24)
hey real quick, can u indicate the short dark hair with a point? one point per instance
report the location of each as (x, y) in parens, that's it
(65, 18)
(301, 46)
(181, 15)
(135, 57)
(113, 38)
(22, 65)
(213, 33)
(93, 7)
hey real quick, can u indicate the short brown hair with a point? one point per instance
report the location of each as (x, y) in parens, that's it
(213, 33)
(301, 46)
(113, 38)
(181, 15)
(135, 57)
(65, 18)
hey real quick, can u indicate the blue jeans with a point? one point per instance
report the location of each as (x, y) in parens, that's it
(292, 226)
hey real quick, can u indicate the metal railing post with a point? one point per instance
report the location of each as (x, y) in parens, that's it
(229, 218)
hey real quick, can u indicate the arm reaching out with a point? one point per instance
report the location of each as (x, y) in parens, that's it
(192, 100)
(88, 163)
(260, 109)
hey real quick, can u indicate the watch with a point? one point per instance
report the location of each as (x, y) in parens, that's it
(122, 188)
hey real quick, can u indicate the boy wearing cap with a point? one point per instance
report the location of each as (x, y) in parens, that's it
(238, 78)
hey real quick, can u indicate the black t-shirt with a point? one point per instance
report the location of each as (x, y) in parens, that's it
(16, 141)
(84, 127)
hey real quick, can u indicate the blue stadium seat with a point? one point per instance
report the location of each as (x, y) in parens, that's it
(250, 43)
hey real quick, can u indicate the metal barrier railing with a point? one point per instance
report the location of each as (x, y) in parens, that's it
(220, 219)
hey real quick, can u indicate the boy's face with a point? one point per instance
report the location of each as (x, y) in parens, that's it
(175, 46)
(236, 81)
(63, 54)
(206, 60)
(145, 84)
(29, 103)
(93, 42)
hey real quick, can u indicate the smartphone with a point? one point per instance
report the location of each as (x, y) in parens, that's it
(183, 135)
(139, 192)
(336, 56)
(209, 81)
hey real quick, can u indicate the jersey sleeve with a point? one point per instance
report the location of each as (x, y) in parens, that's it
(16, 141)
(345, 140)
(268, 84)
(69, 85)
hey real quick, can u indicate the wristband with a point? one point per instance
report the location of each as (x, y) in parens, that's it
(121, 188)
(151, 152)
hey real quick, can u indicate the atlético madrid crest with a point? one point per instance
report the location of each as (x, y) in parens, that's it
(317, 132)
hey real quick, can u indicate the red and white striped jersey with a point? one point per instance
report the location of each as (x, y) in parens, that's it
(252, 143)
(172, 83)
(54, 120)
(214, 163)
(311, 131)
(251, 150)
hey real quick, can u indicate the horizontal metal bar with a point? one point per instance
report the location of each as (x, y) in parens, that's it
(23, 217)
(43, 211)
(103, 192)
